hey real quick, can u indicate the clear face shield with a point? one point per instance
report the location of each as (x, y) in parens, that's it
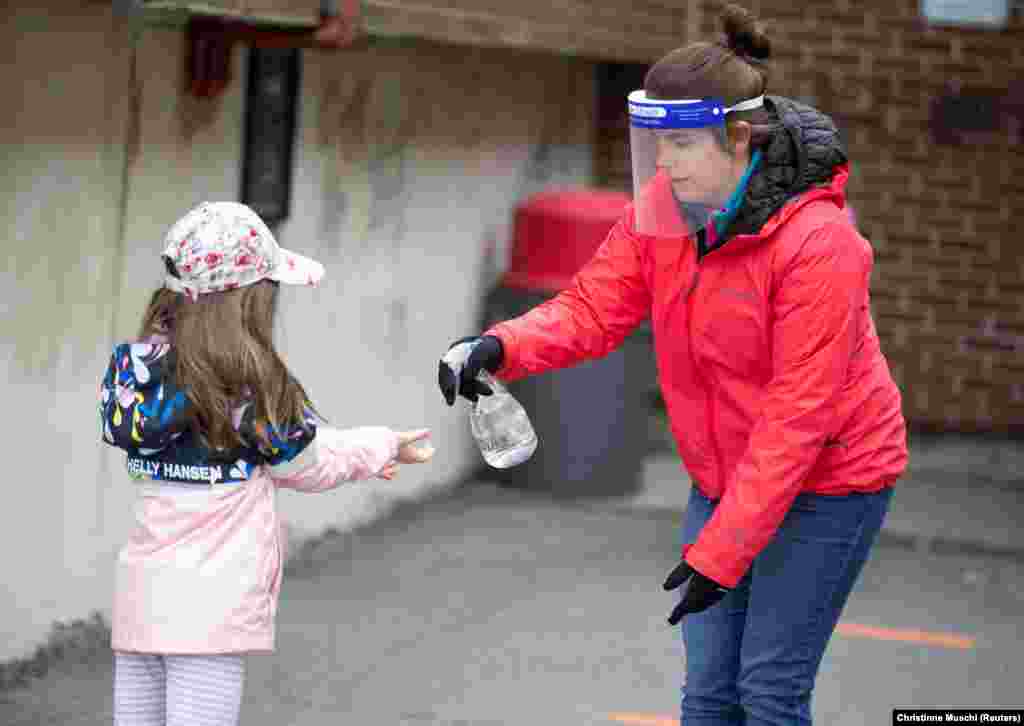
(682, 173)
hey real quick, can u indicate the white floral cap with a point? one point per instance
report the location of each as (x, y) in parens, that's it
(220, 246)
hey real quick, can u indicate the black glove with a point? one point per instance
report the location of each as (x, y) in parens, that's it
(488, 354)
(702, 593)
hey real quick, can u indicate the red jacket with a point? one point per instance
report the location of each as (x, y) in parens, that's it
(767, 355)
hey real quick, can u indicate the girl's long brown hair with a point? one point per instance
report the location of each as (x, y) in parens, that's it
(224, 355)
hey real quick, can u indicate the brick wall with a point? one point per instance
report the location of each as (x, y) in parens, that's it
(948, 287)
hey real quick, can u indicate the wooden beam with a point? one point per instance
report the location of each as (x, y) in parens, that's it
(293, 14)
(615, 30)
(638, 31)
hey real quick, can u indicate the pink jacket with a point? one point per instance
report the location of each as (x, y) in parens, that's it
(201, 572)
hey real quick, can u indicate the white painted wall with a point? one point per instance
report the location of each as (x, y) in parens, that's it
(62, 130)
(409, 161)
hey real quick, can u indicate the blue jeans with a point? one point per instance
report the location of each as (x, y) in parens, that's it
(751, 659)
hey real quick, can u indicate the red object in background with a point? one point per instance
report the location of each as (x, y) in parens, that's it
(209, 57)
(341, 29)
(555, 233)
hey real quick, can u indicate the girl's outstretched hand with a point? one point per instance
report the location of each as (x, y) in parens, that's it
(409, 452)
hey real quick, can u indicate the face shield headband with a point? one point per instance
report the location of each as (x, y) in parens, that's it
(693, 113)
(674, 152)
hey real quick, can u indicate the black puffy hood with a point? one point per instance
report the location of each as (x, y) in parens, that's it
(804, 152)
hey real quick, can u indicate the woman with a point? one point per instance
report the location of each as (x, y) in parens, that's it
(738, 248)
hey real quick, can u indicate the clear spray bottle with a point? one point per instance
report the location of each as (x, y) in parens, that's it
(499, 423)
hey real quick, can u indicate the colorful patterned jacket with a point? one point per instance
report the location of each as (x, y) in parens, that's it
(143, 412)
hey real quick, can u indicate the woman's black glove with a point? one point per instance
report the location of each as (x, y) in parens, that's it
(487, 353)
(702, 593)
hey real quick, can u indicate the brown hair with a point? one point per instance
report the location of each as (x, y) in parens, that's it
(224, 355)
(731, 69)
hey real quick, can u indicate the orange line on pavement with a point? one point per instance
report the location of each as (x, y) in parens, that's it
(905, 635)
(922, 637)
(643, 719)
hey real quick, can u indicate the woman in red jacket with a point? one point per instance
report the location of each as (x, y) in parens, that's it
(739, 250)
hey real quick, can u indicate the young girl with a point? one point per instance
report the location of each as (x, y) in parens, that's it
(213, 423)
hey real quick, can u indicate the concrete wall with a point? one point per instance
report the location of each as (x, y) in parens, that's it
(409, 160)
(62, 131)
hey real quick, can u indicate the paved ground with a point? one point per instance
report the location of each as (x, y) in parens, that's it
(489, 607)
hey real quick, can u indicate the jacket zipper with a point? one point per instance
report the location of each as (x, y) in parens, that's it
(709, 404)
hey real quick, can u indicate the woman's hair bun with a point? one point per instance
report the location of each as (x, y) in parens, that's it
(744, 36)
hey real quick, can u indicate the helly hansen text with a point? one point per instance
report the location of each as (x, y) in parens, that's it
(166, 470)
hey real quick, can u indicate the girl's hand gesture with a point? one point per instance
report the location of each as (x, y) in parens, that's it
(409, 452)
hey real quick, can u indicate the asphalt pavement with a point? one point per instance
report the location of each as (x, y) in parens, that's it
(487, 606)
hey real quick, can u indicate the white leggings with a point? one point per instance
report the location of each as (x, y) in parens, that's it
(177, 690)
